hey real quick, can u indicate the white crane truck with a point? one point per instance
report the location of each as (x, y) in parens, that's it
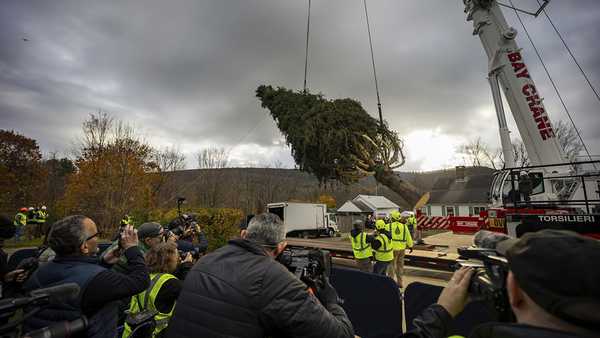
(552, 192)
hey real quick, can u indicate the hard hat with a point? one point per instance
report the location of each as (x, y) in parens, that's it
(395, 215)
(43, 207)
(406, 214)
(23, 209)
(379, 224)
(30, 208)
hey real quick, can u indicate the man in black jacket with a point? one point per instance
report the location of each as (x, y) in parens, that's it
(241, 291)
(552, 286)
(74, 239)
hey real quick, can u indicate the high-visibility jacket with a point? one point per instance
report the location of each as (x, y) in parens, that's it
(411, 222)
(360, 247)
(20, 219)
(385, 253)
(145, 301)
(388, 227)
(401, 237)
(41, 216)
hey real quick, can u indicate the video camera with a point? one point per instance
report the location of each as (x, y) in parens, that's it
(309, 266)
(35, 301)
(488, 282)
(180, 225)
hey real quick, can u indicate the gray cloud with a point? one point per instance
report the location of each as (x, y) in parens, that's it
(185, 71)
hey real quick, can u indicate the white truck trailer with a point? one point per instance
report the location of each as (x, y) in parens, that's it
(305, 219)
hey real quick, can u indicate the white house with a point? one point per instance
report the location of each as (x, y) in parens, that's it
(460, 192)
(360, 207)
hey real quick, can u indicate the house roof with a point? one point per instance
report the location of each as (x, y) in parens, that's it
(375, 202)
(448, 190)
(349, 207)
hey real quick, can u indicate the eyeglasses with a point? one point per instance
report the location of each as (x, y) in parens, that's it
(92, 236)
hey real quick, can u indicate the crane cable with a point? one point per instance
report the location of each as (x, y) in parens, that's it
(572, 56)
(373, 63)
(551, 81)
(306, 51)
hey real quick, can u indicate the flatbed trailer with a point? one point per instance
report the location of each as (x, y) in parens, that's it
(341, 252)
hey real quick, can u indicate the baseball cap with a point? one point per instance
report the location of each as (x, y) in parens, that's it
(149, 229)
(556, 269)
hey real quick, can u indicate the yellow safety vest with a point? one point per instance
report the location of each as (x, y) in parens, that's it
(20, 219)
(360, 247)
(388, 227)
(41, 216)
(385, 253)
(147, 298)
(401, 236)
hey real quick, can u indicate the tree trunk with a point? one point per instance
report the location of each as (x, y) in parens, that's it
(407, 191)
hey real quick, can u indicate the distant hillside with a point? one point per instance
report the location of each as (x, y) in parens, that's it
(250, 189)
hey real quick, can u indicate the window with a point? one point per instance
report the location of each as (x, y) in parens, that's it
(474, 211)
(426, 210)
(448, 210)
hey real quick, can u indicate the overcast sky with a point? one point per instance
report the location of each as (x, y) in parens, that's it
(185, 72)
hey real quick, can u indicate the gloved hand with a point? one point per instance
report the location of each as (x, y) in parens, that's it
(326, 292)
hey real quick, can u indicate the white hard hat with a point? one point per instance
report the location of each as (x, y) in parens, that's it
(30, 208)
(43, 207)
(405, 214)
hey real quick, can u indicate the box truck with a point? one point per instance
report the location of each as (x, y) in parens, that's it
(305, 219)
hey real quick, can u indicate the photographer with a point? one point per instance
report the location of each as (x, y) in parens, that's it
(240, 290)
(74, 239)
(149, 234)
(552, 289)
(162, 260)
(187, 230)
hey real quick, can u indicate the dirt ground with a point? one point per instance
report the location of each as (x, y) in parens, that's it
(450, 239)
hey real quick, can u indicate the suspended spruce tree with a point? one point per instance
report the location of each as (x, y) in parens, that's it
(337, 139)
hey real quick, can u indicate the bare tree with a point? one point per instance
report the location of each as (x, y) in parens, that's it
(520, 154)
(96, 131)
(212, 158)
(568, 139)
(475, 152)
(169, 159)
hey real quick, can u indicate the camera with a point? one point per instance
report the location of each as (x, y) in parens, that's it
(195, 253)
(488, 282)
(309, 266)
(142, 323)
(37, 300)
(181, 224)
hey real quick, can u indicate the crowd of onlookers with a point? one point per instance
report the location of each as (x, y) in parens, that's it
(145, 285)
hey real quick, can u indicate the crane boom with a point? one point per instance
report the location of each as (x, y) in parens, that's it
(506, 68)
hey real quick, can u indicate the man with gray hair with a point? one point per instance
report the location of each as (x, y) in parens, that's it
(240, 290)
(75, 241)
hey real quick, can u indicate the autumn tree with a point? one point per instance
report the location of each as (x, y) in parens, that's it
(21, 172)
(327, 200)
(112, 176)
(58, 171)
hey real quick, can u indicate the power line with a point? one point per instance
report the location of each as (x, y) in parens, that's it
(551, 81)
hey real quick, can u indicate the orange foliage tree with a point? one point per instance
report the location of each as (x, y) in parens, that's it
(114, 174)
(327, 200)
(21, 172)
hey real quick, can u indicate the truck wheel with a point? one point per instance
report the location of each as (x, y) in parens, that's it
(330, 232)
